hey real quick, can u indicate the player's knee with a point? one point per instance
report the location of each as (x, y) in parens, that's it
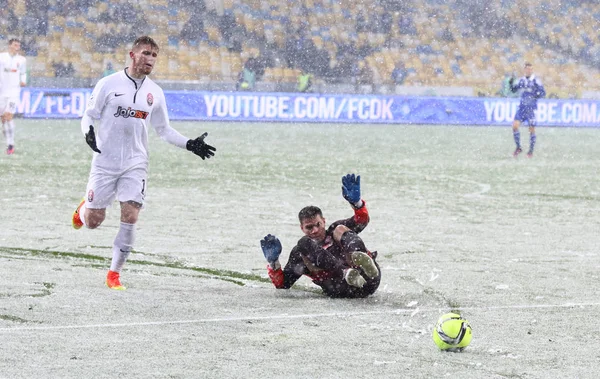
(93, 222)
(339, 231)
(130, 212)
(94, 218)
(129, 218)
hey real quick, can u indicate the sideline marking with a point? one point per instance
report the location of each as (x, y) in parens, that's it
(412, 312)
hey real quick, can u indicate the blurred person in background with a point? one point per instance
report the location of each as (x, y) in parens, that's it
(121, 106)
(399, 74)
(364, 77)
(247, 77)
(109, 70)
(13, 76)
(505, 90)
(531, 89)
(304, 81)
(335, 258)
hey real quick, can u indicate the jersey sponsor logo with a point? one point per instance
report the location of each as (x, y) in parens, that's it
(150, 99)
(119, 94)
(126, 113)
(91, 196)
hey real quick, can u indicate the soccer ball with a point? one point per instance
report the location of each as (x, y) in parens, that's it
(452, 332)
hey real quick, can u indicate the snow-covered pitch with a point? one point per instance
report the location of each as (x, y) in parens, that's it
(458, 223)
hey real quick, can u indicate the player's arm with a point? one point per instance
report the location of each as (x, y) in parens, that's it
(92, 112)
(351, 192)
(538, 89)
(511, 84)
(23, 73)
(356, 223)
(160, 121)
(281, 278)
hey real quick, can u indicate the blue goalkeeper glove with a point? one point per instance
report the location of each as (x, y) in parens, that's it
(351, 188)
(271, 247)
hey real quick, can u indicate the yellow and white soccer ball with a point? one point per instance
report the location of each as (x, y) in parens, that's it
(452, 332)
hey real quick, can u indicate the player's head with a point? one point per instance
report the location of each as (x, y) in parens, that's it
(528, 69)
(143, 55)
(14, 45)
(312, 222)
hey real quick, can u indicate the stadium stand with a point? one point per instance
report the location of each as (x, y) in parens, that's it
(462, 43)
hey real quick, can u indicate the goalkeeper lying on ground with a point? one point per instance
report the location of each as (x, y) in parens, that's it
(336, 258)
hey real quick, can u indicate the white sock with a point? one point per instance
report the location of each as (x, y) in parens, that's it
(122, 246)
(10, 132)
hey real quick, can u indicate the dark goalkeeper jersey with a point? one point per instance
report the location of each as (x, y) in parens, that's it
(296, 266)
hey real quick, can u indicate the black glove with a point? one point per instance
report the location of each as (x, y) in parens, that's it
(511, 81)
(200, 148)
(90, 138)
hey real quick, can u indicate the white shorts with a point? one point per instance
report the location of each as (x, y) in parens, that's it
(8, 104)
(103, 188)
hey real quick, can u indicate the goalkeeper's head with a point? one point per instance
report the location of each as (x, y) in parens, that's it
(312, 222)
(309, 212)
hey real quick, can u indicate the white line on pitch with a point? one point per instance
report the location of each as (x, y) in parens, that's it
(412, 311)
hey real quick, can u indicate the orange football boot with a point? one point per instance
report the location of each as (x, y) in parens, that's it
(113, 281)
(77, 223)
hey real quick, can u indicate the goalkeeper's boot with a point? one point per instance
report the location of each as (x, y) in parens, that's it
(113, 281)
(76, 220)
(364, 261)
(530, 154)
(352, 277)
(10, 150)
(518, 151)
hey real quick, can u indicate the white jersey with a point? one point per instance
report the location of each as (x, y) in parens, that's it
(13, 72)
(124, 109)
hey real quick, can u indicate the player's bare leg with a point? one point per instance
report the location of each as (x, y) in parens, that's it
(94, 217)
(88, 217)
(123, 243)
(8, 129)
(517, 137)
(3, 125)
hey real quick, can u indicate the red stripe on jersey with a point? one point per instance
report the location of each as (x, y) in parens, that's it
(361, 215)
(276, 276)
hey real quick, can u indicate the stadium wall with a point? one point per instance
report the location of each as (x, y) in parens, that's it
(325, 108)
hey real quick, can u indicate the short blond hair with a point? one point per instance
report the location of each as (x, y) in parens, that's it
(144, 40)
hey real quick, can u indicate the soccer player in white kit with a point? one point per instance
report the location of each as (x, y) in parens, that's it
(13, 76)
(124, 103)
